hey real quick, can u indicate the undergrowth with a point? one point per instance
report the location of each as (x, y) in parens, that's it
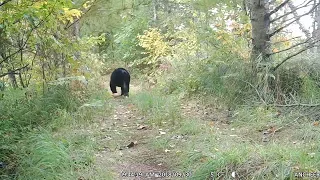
(39, 135)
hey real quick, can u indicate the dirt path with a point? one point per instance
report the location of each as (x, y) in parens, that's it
(124, 144)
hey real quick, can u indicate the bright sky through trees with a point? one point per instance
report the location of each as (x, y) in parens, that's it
(305, 20)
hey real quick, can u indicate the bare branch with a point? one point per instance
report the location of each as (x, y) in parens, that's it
(69, 25)
(296, 15)
(296, 45)
(287, 40)
(5, 2)
(286, 14)
(2, 75)
(278, 8)
(291, 56)
(296, 19)
(281, 28)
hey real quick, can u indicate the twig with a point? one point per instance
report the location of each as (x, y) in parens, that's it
(2, 75)
(299, 7)
(29, 35)
(295, 19)
(5, 2)
(291, 56)
(278, 8)
(298, 44)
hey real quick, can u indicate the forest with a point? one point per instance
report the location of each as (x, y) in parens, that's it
(219, 89)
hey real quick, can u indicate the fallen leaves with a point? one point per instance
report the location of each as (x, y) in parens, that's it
(141, 127)
(162, 132)
(130, 145)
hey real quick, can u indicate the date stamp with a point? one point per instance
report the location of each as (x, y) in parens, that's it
(307, 174)
(157, 174)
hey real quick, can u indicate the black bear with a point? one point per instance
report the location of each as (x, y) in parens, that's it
(120, 77)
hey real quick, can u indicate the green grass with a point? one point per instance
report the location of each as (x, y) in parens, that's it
(47, 137)
(46, 158)
(158, 108)
(219, 151)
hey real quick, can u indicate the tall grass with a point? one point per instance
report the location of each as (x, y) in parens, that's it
(21, 115)
(158, 108)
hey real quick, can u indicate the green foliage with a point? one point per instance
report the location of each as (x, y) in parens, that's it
(19, 115)
(39, 35)
(227, 79)
(190, 127)
(125, 39)
(159, 109)
(223, 164)
(153, 42)
(45, 158)
(310, 89)
(288, 82)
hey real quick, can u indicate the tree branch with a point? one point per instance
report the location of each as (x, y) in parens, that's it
(296, 15)
(5, 2)
(296, 19)
(28, 36)
(2, 75)
(291, 105)
(289, 57)
(298, 44)
(68, 26)
(287, 40)
(286, 14)
(278, 8)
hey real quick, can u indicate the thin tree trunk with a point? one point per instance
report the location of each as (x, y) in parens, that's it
(21, 80)
(13, 79)
(154, 8)
(316, 32)
(43, 76)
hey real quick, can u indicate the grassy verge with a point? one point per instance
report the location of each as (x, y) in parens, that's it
(259, 143)
(45, 136)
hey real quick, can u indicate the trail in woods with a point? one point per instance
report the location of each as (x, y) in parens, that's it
(129, 155)
(125, 141)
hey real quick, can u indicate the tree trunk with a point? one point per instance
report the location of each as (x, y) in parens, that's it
(316, 32)
(13, 79)
(260, 22)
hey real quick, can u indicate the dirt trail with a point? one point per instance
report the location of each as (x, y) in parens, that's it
(124, 128)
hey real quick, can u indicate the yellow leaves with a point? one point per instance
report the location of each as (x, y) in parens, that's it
(284, 41)
(153, 42)
(70, 15)
(88, 4)
(287, 44)
(275, 50)
(39, 4)
(247, 27)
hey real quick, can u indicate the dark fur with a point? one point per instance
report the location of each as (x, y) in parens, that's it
(120, 77)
